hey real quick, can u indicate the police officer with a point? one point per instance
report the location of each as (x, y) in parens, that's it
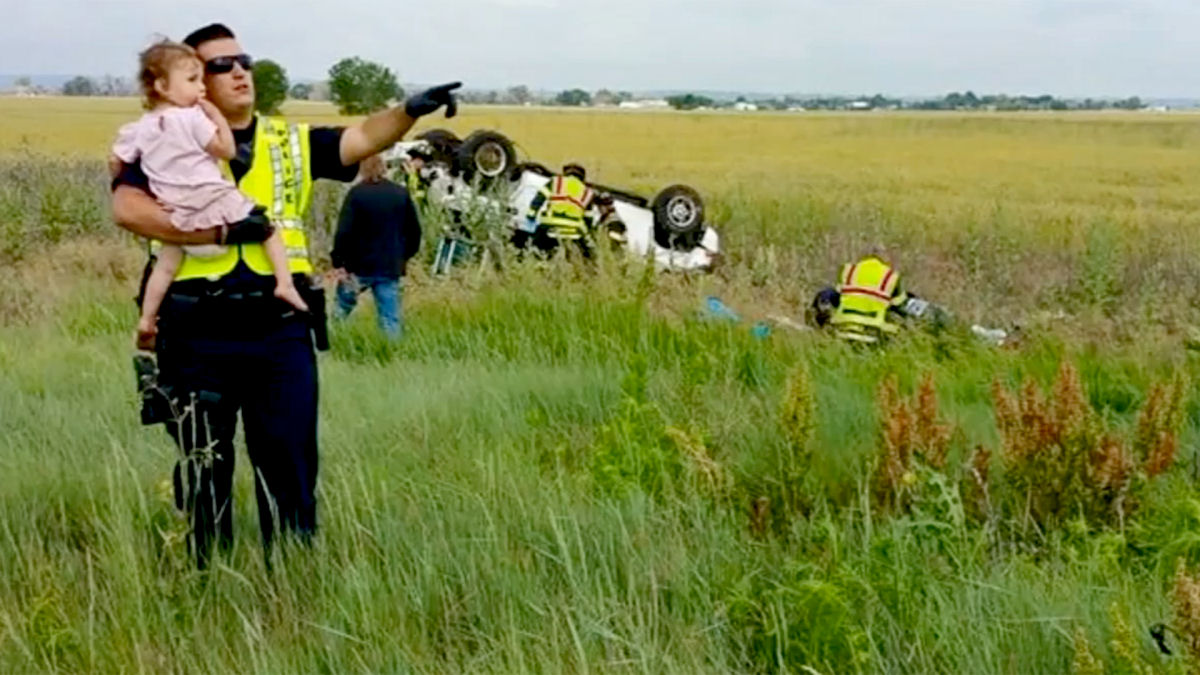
(561, 211)
(225, 344)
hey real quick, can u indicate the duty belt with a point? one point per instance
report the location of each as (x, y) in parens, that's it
(252, 307)
(190, 298)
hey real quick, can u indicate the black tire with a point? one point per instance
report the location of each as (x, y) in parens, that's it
(678, 218)
(487, 155)
(444, 144)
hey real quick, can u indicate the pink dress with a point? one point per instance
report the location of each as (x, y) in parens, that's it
(170, 144)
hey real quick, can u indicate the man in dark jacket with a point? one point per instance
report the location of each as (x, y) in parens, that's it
(378, 231)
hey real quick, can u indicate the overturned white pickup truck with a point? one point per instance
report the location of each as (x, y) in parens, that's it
(482, 170)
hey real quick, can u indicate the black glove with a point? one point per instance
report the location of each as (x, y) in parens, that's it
(430, 100)
(252, 229)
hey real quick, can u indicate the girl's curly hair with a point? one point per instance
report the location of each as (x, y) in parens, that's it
(156, 62)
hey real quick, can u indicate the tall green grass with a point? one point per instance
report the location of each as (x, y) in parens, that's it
(46, 200)
(516, 487)
(567, 470)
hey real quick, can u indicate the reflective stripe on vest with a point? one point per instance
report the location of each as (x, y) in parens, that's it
(566, 207)
(866, 294)
(279, 180)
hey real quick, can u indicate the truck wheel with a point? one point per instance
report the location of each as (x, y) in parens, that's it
(678, 218)
(444, 144)
(486, 154)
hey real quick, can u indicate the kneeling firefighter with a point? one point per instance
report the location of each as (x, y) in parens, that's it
(869, 305)
(560, 212)
(866, 303)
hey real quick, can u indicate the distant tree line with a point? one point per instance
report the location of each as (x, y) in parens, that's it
(270, 83)
(952, 101)
(358, 87)
(690, 102)
(694, 101)
(969, 101)
(94, 86)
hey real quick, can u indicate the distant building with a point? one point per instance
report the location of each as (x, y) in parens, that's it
(24, 90)
(745, 106)
(645, 103)
(859, 105)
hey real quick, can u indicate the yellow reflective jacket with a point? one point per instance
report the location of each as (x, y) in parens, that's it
(562, 206)
(412, 182)
(280, 181)
(867, 290)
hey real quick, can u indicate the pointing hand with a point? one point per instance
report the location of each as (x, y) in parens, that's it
(430, 100)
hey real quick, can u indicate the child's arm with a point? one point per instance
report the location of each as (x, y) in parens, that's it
(221, 146)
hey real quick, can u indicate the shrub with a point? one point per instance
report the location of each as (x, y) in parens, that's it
(1061, 459)
(789, 621)
(1185, 600)
(46, 200)
(633, 448)
(911, 436)
(1085, 661)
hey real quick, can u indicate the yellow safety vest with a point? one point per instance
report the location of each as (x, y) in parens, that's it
(417, 193)
(868, 289)
(279, 180)
(565, 209)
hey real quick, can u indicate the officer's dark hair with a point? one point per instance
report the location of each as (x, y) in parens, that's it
(575, 170)
(213, 31)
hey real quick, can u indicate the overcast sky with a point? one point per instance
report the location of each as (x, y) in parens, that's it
(900, 47)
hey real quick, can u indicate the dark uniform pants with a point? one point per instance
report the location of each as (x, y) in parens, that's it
(220, 356)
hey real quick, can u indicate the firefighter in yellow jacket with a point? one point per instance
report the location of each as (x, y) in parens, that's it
(870, 304)
(561, 212)
(864, 306)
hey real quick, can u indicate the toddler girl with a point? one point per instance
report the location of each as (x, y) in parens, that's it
(179, 141)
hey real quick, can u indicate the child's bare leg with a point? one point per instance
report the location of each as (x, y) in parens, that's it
(156, 289)
(285, 288)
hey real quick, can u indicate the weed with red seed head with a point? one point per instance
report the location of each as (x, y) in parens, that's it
(911, 433)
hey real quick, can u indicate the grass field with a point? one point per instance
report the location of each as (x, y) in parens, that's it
(560, 471)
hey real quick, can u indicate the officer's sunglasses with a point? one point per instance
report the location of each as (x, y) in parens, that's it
(223, 64)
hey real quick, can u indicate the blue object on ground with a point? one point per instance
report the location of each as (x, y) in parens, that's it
(720, 310)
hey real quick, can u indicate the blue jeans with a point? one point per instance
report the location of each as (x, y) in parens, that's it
(387, 300)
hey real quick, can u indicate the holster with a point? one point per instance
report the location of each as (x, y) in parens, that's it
(156, 399)
(313, 295)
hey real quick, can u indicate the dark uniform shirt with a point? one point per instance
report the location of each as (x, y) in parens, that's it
(325, 162)
(378, 230)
